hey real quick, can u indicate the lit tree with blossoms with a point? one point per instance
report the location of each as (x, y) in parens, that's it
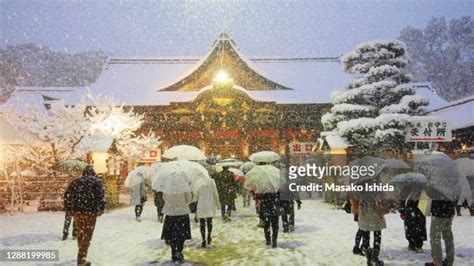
(373, 111)
(52, 135)
(120, 123)
(65, 132)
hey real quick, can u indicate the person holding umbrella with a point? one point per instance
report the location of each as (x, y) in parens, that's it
(410, 185)
(371, 219)
(177, 226)
(159, 204)
(265, 181)
(445, 188)
(442, 213)
(413, 219)
(138, 198)
(136, 181)
(227, 188)
(178, 180)
(246, 195)
(85, 199)
(354, 209)
(269, 213)
(287, 204)
(371, 208)
(207, 200)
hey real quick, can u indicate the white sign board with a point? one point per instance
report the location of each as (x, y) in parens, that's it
(150, 156)
(429, 129)
(302, 147)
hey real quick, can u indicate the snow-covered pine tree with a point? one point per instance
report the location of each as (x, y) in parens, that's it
(373, 110)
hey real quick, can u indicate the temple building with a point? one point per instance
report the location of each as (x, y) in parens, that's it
(226, 104)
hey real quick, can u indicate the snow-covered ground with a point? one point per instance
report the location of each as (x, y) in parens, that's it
(324, 236)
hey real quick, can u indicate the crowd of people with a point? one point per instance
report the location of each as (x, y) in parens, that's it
(369, 214)
(84, 201)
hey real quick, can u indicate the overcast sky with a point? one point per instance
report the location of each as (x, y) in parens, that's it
(174, 28)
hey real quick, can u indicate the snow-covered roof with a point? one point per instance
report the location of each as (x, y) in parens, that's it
(25, 97)
(8, 133)
(224, 56)
(425, 90)
(313, 83)
(459, 112)
(138, 83)
(141, 80)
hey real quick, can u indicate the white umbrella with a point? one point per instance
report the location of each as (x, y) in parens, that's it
(136, 176)
(466, 165)
(179, 177)
(152, 168)
(184, 152)
(263, 179)
(445, 180)
(230, 160)
(264, 157)
(247, 166)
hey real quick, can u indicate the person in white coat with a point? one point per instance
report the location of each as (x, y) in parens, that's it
(207, 200)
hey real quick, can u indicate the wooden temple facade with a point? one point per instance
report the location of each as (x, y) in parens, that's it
(234, 125)
(224, 120)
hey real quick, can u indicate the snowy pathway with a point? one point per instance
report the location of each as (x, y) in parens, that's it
(323, 236)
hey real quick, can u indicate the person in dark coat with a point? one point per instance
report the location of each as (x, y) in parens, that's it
(414, 221)
(227, 189)
(442, 213)
(360, 236)
(67, 223)
(269, 214)
(177, 227)
(159, 203)
(84, 198)
(287, 205)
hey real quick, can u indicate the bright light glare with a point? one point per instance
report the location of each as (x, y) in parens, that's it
(221, 76)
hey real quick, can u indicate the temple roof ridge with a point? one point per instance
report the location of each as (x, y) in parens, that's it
(223, 54)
